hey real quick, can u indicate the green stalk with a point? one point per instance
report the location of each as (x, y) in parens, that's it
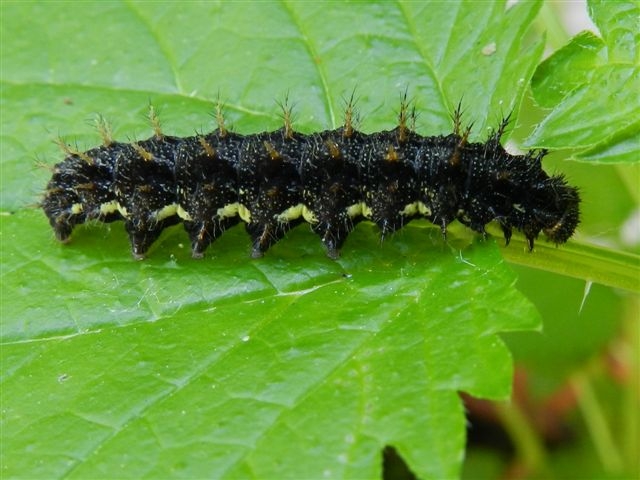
(596, 424)
(526, 440)
(631, 394)
(588, 262)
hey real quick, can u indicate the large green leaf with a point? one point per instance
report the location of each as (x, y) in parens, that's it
(290, 366)
(592, 84)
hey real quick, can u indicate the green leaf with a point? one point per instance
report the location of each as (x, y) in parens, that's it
(292, 366)
(586, 117)
(618, 23)
(623, 147)
(181, 367)
(592, 85)
(567, 69)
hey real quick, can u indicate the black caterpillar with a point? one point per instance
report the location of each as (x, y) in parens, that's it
(332, 179)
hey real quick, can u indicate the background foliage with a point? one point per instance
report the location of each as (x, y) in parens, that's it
(296, 365)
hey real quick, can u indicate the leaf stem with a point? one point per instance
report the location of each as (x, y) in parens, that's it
(631, 433)
(588, 262)
(596, 423)
(526, 440)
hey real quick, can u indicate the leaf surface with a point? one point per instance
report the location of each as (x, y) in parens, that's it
(592, 84)
(292, 366)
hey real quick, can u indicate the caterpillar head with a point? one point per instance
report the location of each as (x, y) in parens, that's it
(559, 213)
(565, 215)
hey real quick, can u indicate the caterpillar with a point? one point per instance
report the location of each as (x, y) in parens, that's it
(333, 179)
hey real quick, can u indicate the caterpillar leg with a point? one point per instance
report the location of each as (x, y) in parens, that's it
(202, 234)
(62, 227)
(333, 235)
(263, 236)
(143, 235)
(507, 231)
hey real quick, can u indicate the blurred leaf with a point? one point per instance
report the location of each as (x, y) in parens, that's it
(293, 365)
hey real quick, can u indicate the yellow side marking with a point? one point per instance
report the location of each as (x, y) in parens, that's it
(308, 215)
(244, 213)
(366, 210)
(166, 212)
(123, 210)
(229, 211)
(423, 209)
(355, 210)
(290, 213)
(410, 209)
(109, 207)
(183, 214)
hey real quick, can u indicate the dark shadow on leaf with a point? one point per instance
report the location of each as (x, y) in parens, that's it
(394, 467)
